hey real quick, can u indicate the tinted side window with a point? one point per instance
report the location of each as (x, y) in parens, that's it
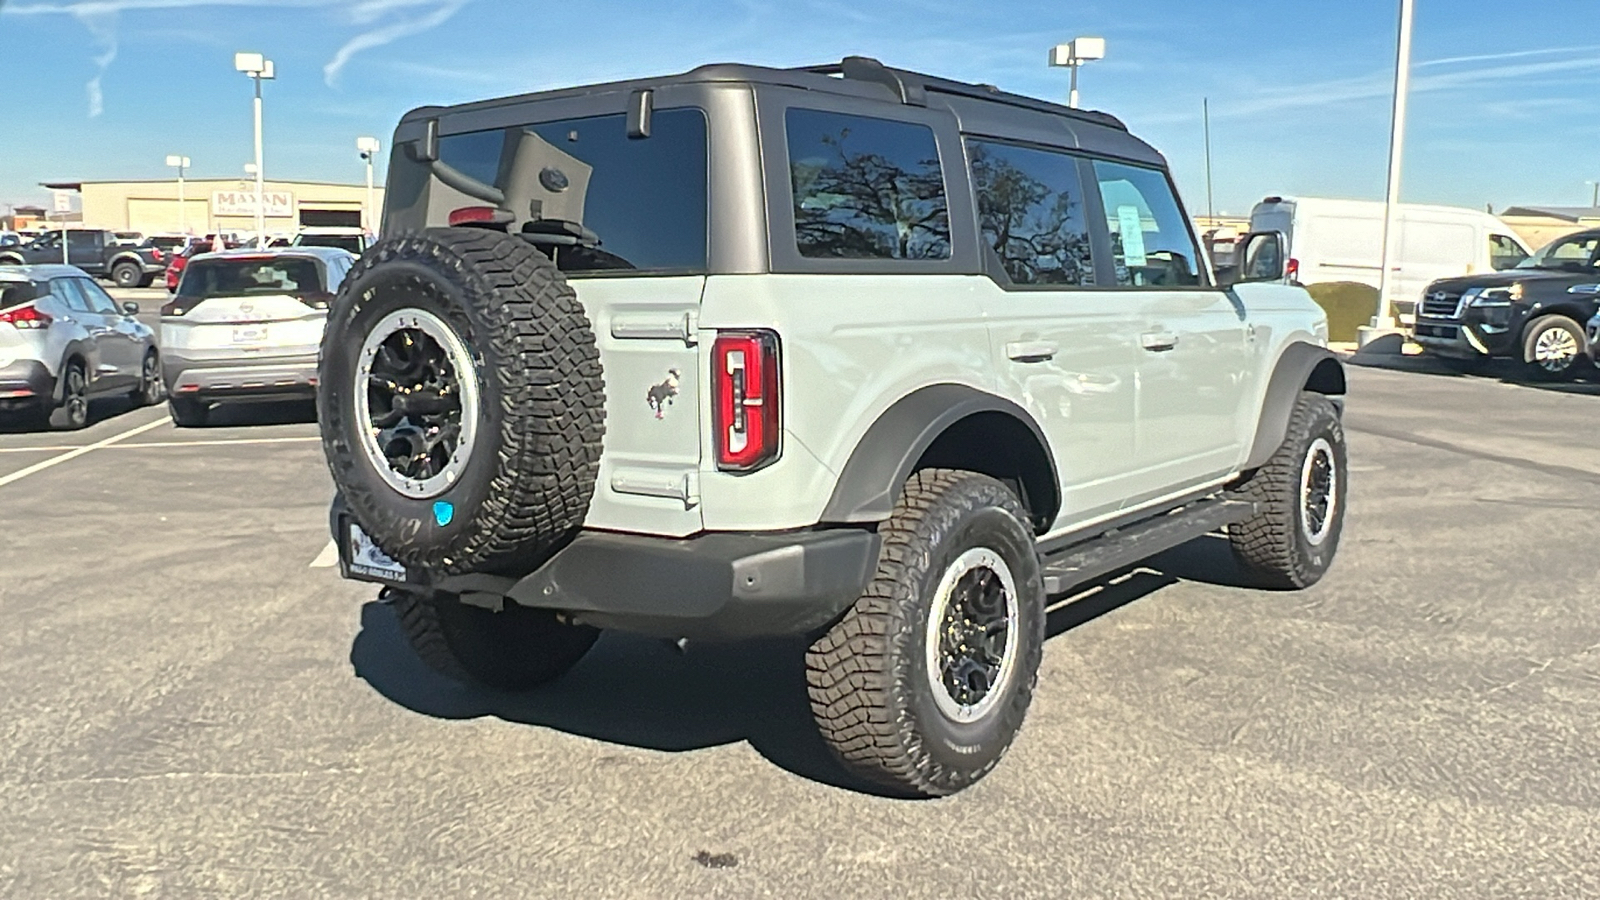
(1151, 242)
(99, 300)
(71, 294)
(865, 188)
(1030, 210)
(1504, 252)
(585, 193)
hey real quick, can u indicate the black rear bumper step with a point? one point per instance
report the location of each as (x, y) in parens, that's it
(1079, 563)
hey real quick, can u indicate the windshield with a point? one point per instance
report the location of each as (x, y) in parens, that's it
(1574, 253)
(250, 277)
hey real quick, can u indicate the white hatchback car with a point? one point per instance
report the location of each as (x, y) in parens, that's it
(245, 325)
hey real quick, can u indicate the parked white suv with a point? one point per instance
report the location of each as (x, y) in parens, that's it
(847, 352)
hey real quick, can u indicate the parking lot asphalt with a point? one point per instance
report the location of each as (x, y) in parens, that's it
(193, 704)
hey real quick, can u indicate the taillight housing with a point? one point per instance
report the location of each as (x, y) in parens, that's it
(745, 382)
(27, 317)
(1292, 271)
(155, 254)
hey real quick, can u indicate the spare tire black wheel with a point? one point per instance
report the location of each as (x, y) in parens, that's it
(461, 401)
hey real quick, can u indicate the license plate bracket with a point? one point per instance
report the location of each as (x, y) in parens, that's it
(365, 561)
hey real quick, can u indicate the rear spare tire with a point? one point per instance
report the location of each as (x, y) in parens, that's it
(461, 401)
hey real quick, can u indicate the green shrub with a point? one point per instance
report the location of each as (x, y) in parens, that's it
(1349, 306)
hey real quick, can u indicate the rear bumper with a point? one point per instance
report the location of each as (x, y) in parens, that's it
(25, 382)
(239, 377)
(715, 587)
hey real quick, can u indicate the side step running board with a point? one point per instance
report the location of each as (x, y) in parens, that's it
(1071, 566)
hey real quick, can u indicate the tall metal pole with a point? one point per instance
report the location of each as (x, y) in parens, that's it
(261, 183)
(183, 222)
(1211, 208)
(1072, 96)
(1384, 319)
(369, 195)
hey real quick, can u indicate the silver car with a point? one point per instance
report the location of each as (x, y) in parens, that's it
(64, 340)
(245, 325)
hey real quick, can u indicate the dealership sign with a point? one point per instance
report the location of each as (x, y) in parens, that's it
(243, 203)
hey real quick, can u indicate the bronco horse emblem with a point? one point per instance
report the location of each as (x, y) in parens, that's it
(660, 396)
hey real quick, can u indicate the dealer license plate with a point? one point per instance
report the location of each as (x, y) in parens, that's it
(250, 334)
(367, 561)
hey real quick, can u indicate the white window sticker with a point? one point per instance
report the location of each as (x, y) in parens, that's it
(1132, 230)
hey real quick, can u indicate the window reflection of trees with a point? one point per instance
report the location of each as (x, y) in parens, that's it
(1038, 231)
(861, 205)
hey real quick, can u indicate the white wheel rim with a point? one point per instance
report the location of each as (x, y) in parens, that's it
(945, 622)
(419, 322)
(1555, 349)
(1319, 491)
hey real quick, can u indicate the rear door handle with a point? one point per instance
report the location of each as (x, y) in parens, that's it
(1032, 351)
(1158, 341)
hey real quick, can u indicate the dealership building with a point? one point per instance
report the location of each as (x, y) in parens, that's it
(217, 204)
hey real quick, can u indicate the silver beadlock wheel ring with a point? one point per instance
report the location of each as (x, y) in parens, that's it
(416, 399)
(1319, 491)
(972, 636)
(1555, 348)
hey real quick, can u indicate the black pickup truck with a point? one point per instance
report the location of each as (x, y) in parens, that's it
(95, 251)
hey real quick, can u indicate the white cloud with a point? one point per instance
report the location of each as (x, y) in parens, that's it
(370, 12)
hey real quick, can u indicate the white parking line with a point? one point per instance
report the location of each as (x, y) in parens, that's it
(219, 442)
(77, 452)
(327, 559)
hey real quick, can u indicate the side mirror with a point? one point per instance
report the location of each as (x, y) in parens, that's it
(130, 308)
(1262, 256)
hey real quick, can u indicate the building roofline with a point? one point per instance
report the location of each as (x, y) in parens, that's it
(78, 185)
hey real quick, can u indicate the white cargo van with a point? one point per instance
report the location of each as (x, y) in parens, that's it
(1342, 240)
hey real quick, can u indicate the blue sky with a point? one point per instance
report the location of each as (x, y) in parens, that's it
(1502, 108)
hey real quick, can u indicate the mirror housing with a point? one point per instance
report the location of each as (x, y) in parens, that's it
(1262, 258)
(130, 308)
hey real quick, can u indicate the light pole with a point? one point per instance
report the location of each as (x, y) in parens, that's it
(259, 68)
(1383, 322)
(1595, 200)
(1073, 54)
(368, 148)
(180, 163)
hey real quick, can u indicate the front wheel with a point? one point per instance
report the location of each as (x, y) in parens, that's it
(512, 649)
(1300, 501)
(1553, 348)
(923, 684)
(150, 390)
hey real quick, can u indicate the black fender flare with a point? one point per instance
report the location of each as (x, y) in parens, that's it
(870, 483)
(11, 259)
(1301, 366)
(120, 258)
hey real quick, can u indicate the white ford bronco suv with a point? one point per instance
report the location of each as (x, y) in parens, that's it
(848, 352)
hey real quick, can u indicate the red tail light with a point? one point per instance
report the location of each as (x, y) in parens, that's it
(1292, 271)
(26, 317)
(155, 254)
(745, 380)
(480, 215)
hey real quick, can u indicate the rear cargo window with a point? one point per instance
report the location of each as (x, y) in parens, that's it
(250, 277)
(865, 188)
(582, 191)
(16, 293)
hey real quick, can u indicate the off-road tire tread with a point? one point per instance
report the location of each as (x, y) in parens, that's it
(850, 675)
(1264, 545)
(551, 420)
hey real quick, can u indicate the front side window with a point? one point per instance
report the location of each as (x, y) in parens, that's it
(71, 294)
(1151, 243)
(1030, 211)
(1505, 253)
(586, 194)
(99, 300)
(865, 188)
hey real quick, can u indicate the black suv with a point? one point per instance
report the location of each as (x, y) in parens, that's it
(1532, 312)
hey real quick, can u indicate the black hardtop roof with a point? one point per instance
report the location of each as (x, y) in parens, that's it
(864, 78)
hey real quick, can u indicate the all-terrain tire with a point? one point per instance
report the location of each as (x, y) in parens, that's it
(525, 484)
(871, 683)
(187, 412)
(1553, 328)
(1287, 544)
(514, 649)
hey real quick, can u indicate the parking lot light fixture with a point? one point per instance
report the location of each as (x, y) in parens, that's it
(368, 148)
(1072, 55)
(1383, 320)
(259, 68)
(180, 163)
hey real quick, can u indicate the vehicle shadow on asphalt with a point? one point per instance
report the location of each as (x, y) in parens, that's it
(1505, 371)
(100, 410)
(641, 692)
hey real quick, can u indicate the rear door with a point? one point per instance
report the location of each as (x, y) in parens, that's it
(1193, 360)
(95, 328)
(625, 218)
(121, 347)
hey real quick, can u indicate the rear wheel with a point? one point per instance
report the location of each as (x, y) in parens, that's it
(1553, 348)
(923, 684)
(513, 649)
(126, 274)
(188, 412)
(73, 413)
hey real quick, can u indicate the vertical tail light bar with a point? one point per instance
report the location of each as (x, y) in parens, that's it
(1292, 271)
(745, 389)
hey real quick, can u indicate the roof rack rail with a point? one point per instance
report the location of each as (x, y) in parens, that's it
(912, 88)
